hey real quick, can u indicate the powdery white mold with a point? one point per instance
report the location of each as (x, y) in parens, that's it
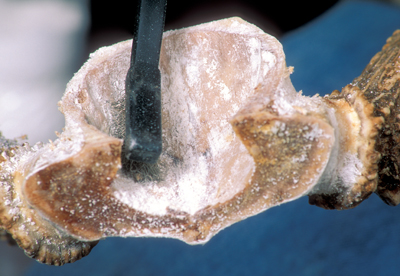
(237, 139)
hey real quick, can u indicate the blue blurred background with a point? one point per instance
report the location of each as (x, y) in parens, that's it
(292, 239)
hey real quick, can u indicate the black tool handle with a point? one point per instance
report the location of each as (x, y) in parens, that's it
(143, 137)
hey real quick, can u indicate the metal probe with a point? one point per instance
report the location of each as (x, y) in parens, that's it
(143, 141)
